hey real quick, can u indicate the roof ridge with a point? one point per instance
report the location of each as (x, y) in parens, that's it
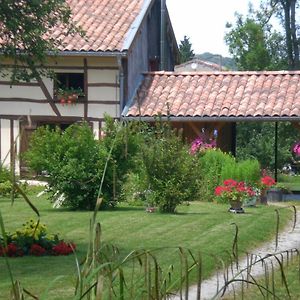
(194, 73)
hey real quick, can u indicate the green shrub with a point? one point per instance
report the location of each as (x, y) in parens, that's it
(5, 174)
(170, 169)
(247, 171)
(211, 164)
(127, 140)
(74, 161)
(135, 189)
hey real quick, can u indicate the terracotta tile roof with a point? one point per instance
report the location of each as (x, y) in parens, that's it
(220, 94)
(105, 22)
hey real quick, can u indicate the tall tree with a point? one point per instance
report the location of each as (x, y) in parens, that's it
(254, 44)
(185, 50)
(286, 10)
(25, 38)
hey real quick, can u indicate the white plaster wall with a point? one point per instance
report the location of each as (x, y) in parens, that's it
(29, 92)
(103, 93)
(105, 76)
(98, 111)
(24, 109)
(73, 110)
(5, 142)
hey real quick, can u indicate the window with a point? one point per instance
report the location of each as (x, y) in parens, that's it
(69, 83)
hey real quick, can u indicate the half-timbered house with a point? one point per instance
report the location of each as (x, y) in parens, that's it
(123, 38)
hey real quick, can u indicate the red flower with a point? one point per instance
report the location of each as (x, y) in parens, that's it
(63, 248)
(11, 250)
(37, 250)
(230, 182)
(267, 181)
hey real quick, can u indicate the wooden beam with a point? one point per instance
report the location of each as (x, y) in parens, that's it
(73, 67)
(103, 102)
(86, 89)
(103, 84)
(24, 100)
(0, 144)
(195, 128)
(19, 83)
(276, 151)
(48, 97)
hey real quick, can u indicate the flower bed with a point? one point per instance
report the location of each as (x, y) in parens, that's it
(33, 239)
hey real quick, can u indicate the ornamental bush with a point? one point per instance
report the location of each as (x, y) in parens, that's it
(74, 161)
(170, 168)
(246, 170)
(211, 164)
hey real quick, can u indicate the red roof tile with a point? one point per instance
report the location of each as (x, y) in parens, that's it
(220, 94)
(105, 22)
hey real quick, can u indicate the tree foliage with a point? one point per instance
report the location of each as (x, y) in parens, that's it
(25, 36)
(185, 50)
(286, 11)
(254, 45)
(256, 140)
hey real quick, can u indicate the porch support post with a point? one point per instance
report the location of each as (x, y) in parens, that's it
(233, 139)
(276, 151)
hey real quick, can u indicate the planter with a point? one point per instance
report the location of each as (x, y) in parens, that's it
(236, 207)
(263, 197)
(250, 202)
(275, 195)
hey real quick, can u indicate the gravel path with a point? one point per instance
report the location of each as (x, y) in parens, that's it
(288, 239)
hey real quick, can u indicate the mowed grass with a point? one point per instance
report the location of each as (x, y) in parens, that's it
(204, 227)
(291, 182)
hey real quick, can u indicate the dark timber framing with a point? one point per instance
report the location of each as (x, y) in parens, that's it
(0, 143)
(86, 94)
(48, 97)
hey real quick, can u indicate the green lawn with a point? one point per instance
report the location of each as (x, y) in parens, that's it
(199, 226)
(291, 182)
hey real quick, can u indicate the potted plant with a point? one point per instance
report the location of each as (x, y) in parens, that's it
(265, 184)
(69, 96)
(234, 193)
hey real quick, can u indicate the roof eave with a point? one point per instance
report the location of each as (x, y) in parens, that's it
(213, 119)
(89, 53)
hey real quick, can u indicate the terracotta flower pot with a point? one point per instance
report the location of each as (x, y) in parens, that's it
(236, 206)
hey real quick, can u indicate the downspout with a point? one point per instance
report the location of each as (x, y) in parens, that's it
(162, 34)
(121, 87)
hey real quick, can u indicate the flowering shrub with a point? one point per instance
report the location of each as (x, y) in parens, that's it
(33, 239)
(296, 149)
(232, 190)
(203, 142)
(267, 182)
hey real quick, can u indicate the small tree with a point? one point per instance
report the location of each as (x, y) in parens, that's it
(185, 49)
(170, 168)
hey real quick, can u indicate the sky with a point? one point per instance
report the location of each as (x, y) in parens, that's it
(203, 21)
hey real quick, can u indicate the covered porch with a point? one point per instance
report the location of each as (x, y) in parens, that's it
(212, 101)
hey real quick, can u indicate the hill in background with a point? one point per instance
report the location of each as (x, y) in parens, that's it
(226, 62)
